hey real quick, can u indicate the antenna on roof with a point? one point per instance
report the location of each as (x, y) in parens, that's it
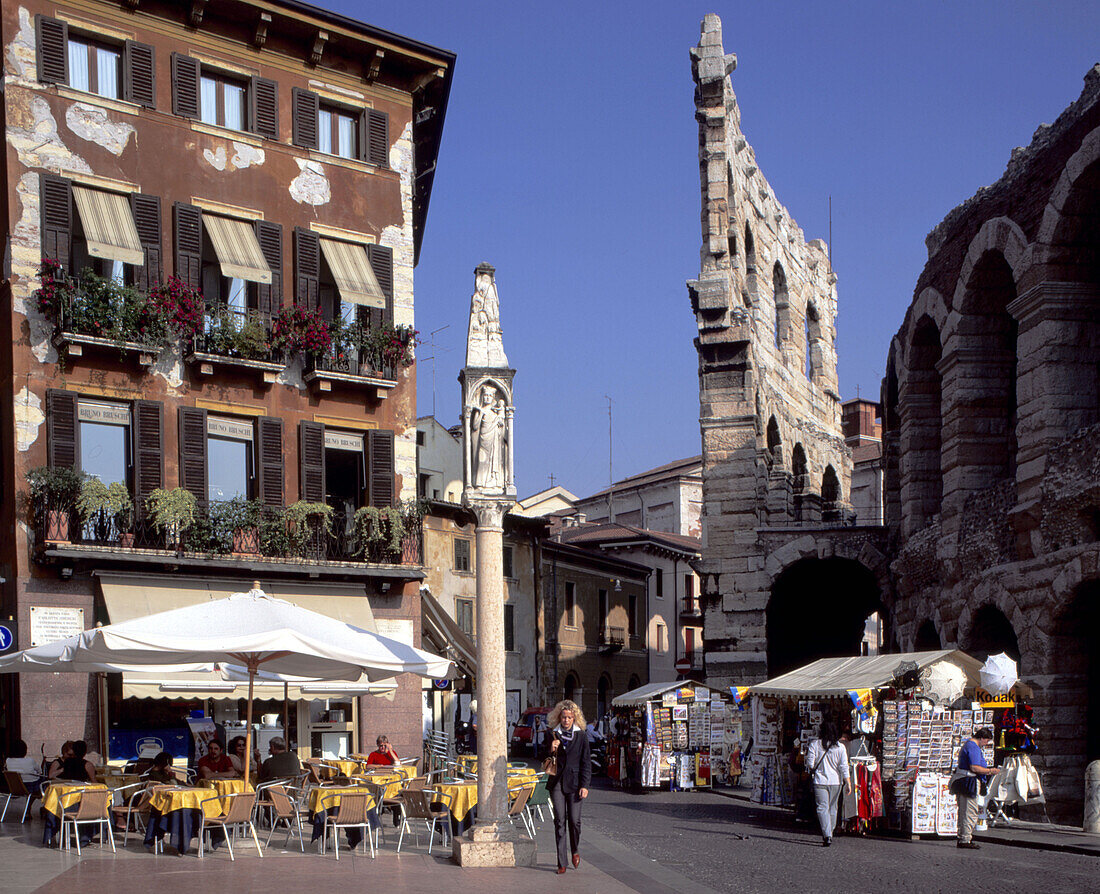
(435, 349)
(610, 470)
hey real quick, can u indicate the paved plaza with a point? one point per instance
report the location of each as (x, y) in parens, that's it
(654, 843)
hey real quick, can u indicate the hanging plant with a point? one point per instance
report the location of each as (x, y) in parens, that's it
(180, 306)
(379, 527)
(300, 331)
(306, 521)
(55, 291)
(390, 346)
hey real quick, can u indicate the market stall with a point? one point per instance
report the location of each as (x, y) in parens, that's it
(907, 715)
(681, 735)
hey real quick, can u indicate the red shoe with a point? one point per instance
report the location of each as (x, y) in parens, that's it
(561, 870)
(576, 860)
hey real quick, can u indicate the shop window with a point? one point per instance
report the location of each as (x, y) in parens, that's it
(570, 604)
(508, 558)
(229, 458)
(95, 67)
(462, 554)
(509, 627)
(337, 132)
(464, 615)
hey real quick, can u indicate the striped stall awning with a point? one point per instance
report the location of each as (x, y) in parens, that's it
(109, 228)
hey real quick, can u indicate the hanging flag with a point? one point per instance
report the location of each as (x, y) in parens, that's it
(861, 698)
(739, 693)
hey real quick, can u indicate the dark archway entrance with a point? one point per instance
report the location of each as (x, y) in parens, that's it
(990, 633)
(928, 638)
(570, 688)
(818, 609)
(603, 697)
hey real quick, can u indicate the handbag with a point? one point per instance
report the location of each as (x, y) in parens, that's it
(550, 766)
(963, 784)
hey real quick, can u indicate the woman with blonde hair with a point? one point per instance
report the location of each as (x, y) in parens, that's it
(571, 774)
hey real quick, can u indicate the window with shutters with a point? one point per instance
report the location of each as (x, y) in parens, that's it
(464, 615)
(104, 440)
(229, 452)
(95, 67)
(362, 134)
(509, 627)
(223, 100)
(509, 555)
(570, 604)
(337, 132)
(345, 476)
(462, 554)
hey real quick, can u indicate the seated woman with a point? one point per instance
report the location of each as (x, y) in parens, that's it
(77, 767)
(216, 763)
(25, 766)
(58, 763)
(161, 771)
(384, 755)
(235, 752)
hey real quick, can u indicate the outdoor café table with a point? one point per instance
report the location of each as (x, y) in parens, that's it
(227, 787)
(464, 799)
(390, 777)
(467, 763)
(174, 811)
(317, 812)
(340, 767)
(62, 795)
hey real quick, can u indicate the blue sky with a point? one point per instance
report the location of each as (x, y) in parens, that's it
(569, 162)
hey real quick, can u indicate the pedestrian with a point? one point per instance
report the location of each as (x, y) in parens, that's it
(827, 763)
(571, 765)
(965, 783)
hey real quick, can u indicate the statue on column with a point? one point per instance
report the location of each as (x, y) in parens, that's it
(488, 429)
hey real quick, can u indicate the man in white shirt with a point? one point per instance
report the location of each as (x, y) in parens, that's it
(26, 767)
(827, 764)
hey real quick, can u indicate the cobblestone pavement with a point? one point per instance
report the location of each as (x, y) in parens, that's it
(728, 845)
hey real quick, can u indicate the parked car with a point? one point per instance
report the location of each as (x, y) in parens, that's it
(528, 732)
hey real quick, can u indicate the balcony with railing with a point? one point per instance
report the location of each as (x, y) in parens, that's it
(612, 639)
(690, 607)
(236, 338)
(232, 534)
(358, 358)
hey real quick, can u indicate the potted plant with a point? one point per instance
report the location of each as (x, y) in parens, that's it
(54, 492)
(309, 526)
(242, 517)
(379, 531)
(109, 508)
(172, 512)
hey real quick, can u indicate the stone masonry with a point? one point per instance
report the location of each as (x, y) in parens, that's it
(776, 470)
(991, 409)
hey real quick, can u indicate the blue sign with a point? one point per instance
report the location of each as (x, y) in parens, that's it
(442, 684)
(128, 744)
(7, 638)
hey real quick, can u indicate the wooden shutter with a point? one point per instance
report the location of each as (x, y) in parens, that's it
(381, 472)
(269, 460)
(139, 74)
(264, 101)
(62, 429)
(381, 262)
(311, 460)
(192, 423)
(148, 450)
(185, 85)
(146, 210)
(304, 109)
(307, 268)
(52, 46)
(188, 220)
(374, 142)
(57, 218)
(270, 237)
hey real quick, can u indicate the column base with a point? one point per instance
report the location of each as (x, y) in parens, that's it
(494, 844)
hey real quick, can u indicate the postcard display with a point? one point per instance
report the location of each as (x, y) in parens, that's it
(771, 776)
(690, 734)
(920, 744)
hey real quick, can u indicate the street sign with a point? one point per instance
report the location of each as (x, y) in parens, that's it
(442, 684)
(7, 637)
(683, 665)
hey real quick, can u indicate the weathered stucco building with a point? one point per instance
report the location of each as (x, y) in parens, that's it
(991, 410)
(786, 575)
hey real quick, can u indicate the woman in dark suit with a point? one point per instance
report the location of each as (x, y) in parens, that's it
(569, 749)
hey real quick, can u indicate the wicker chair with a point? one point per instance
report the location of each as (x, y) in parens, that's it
(418, 805)
(17, 788)
(91, 810)
(239, 814)
(352, 813)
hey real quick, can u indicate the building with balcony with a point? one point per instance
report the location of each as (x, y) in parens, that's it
(213, 213)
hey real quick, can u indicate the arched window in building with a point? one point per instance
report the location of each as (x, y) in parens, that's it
(603, 697)
(921, 423)
(569, 690)
(830, 486)
(782, 303)
(775, 445)
(813, 337)
(800, 480)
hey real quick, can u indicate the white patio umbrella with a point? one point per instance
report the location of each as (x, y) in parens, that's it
(999, 674)
(250, 629)
(943, 682)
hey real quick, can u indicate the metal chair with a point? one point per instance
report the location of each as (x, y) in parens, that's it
(350, 814)
(418, 804)
(285, 810)
(133, 807)
(540, 797)
(17, 788)
(238, 814)
(519, 808)
(91, 810)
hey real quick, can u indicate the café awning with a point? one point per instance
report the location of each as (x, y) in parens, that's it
(237, 248)
(214, 685)
(446, 635)
(109, 228)
(354, 276)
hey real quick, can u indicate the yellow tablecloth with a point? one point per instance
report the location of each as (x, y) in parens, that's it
(324, 793)
(66, 794)
(227, 787)
(330, 768)
(391, 781)
(178, 797)
(467, 763)
(464, 794)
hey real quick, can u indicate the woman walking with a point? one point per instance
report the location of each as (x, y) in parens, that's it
(827, 764)
(571, 774)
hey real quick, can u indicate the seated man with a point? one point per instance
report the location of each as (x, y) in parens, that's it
(384, 755)
(216, 764)
(282, 764)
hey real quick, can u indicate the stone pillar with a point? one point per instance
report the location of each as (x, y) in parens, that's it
(1092, 797)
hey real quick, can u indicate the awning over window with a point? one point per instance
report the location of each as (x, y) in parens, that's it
(352, 271)
(447, 636)
(128, 596)
(109, 228)
(237, 248)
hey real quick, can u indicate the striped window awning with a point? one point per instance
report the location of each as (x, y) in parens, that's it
(109, 228)
(237, 248)
(355, 279)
